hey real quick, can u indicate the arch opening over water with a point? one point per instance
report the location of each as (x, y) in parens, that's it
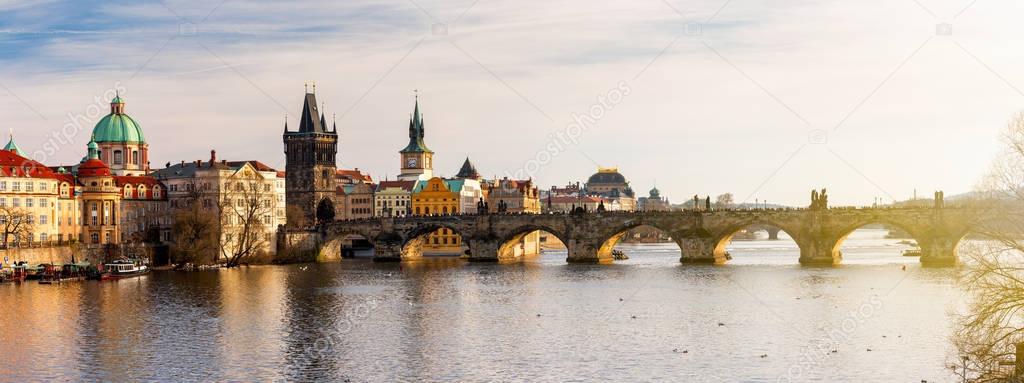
(640, 240)
(435, 241)
(757, 242)
(890, 242)
(356, 246)
(530, 242)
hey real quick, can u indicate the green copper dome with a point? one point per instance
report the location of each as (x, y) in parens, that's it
(117, 126)
(12, 147)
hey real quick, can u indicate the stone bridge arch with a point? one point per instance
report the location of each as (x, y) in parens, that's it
(937, 235)
(407, 244)
(917, 230)
(596, 243)
(502, 246)
(711, 246)
(333, 236)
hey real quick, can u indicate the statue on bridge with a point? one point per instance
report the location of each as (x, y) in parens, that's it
(600, 207)
(707, 203)
(819, 201)
(940, 199)
(481, 207)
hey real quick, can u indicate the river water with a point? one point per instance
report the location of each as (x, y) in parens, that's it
(760, 318)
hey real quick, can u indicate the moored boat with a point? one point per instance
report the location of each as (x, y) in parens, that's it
(18, 274)
(912, 253)
(64, 273)
(121, 269)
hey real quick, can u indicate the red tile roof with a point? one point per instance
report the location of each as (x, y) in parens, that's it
(404, 185)
(13, 165)
(354, 174)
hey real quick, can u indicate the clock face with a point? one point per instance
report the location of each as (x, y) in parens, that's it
(411, 161)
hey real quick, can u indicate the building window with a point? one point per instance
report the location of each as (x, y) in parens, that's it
(118, 157)
(43, 219)
(135, 157)
(42, 186)
(29, 202)
(42, 202)
(3, 185)
(16, 186)
(43, 237)
(29, 187)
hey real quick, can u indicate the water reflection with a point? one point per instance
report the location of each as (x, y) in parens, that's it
(648, 318)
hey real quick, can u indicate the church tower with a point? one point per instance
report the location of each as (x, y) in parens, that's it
(417, 159)
(310, 166)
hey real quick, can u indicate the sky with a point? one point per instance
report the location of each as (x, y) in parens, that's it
(765, 100)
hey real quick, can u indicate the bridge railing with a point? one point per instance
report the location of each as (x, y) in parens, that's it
(633, 212)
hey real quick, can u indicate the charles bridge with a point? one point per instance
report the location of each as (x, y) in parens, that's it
(702, 235)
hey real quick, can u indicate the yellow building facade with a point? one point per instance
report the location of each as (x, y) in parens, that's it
(438, 196)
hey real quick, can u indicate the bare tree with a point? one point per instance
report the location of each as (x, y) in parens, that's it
(988, 333)
(16, 223)
(724, 201)
(245, 215)
(196, 229)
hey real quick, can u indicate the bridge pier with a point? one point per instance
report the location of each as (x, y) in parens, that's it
(390, 249)
(483, 250)
(938, 251)
(702, 250)
(330, 251)
(820, 252)
(491, 250)
(586, 252)
(773, 234)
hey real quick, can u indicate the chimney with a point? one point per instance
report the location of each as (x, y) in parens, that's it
(213, 156)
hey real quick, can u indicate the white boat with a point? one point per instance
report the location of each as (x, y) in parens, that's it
(123, 269)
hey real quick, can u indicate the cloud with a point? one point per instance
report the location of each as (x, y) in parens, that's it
(506, 75)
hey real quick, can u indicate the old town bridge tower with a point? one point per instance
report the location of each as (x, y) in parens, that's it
(310, 167)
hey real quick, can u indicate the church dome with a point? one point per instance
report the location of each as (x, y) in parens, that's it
(607, 176)
(118, 127)
(655, 193)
